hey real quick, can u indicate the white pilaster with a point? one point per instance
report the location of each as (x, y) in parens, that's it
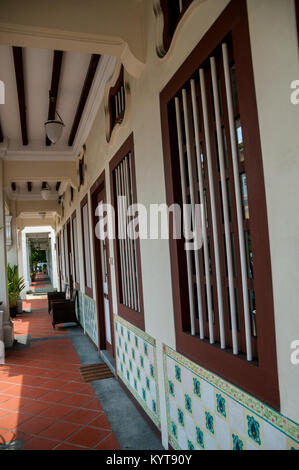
(8, 333)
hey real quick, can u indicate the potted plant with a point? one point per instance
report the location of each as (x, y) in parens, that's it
(15, 286)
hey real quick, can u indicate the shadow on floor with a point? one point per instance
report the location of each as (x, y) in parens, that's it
(129, 427)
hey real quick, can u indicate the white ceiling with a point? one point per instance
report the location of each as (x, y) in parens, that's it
(37, 64)
(22, 193)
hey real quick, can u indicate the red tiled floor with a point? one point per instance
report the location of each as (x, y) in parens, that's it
(88, 436)
(35, 425)
(81, 416)
(109, 443)
(100, 422)
(43, 399)
(13, 420)
(38, 443)
(93, 405)
(67, 446)
(55, 396)
(57, 411)
(60, 430)
(77, 400)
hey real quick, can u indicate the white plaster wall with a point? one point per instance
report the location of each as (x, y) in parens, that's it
(275, 60)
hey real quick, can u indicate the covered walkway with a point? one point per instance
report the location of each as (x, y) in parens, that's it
(43, 401)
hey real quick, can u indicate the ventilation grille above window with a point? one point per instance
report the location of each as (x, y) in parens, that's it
(168, 15)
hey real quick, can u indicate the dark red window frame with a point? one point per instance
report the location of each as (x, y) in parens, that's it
(137, 318)
(114, 118)
(58, 241)
(259, 379)
(171, 18)
(74, 252)
(297, 16)
(65, 254)
(88, 290)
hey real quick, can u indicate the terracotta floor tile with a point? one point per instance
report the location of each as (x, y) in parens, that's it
(15, 404)
(39, 443)
(60, 430)
(55, 384)
(15, 379)
(35, 381)
(67, 446)
(66, 376)
(26, 391)
(73, 387)
(57, 411)
(77, 400)
(4, 398)
(109, 443)
(93, 405)
(88, 436)
(54, 396)
(4, 413)
(5, 386)
(80, 416)
(36, 407)
(35, 425)
(48, 373)
(43, 398)
(100, 422)
(13, 420)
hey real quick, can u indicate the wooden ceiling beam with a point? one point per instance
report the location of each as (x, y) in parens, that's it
(19, 72)
(84, 95)
(53, 93)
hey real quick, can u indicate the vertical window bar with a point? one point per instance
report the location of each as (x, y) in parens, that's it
(184, 197)
(181, 5)
(122, 91)
(119, 102)
(204, 211)
(116, 107)
(191, 182)
(130, 241)
(225, 207)
(120, 237)
(238, 201)
(126, 245)
(213, 207)
(134, 241)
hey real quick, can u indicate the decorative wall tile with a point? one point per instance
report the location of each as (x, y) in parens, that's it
(137, 366)
(87, 313)
(206, 412)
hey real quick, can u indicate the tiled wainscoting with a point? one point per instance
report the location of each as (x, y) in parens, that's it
(137, 366)
(87, 314)
(206, 412)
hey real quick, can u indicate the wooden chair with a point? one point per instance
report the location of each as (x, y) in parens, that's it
(52, 296)
(64, 310)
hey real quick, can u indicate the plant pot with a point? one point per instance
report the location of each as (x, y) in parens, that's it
(20, 306)
(13, 311)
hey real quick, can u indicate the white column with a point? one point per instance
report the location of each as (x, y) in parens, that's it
(8, 333)
(54, 260)
(26, 271)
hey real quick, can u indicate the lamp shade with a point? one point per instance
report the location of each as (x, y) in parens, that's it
(45, 193)
(54, 130)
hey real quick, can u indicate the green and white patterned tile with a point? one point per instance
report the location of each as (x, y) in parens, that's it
(219, 415)
(137, 366)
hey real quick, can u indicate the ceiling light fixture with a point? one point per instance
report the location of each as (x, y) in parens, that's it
(54, 129)
(45, 191)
